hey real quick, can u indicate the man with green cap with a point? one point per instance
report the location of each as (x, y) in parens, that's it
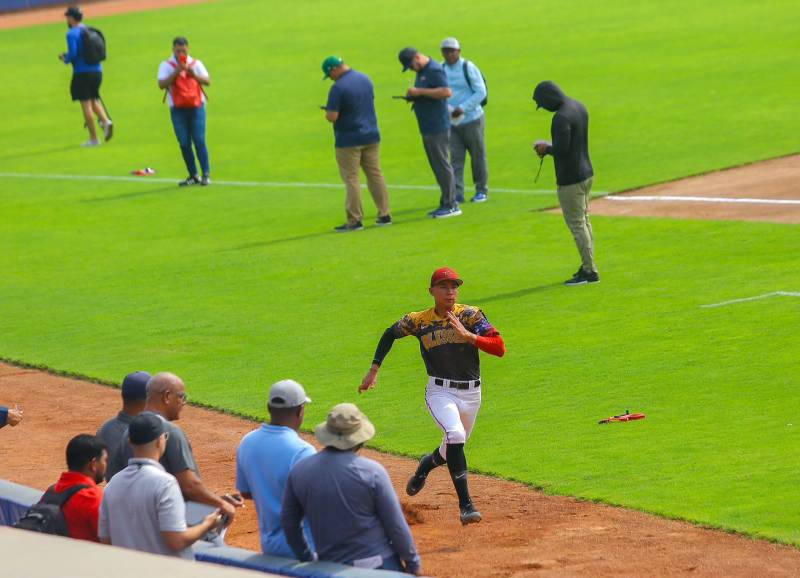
(348, 500)
(351, 109)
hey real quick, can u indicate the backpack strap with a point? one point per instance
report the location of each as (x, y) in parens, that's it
(466, 75)
(60, 499)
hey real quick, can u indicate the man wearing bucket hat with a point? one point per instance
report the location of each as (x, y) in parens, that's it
(349, 501)
(351, 109)
(266, 456)
(450, 335)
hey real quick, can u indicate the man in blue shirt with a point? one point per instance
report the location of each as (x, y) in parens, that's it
(265, 457)
(429, 95)
(467, 118)
(351, 109)
(349, 501)
(86, 79)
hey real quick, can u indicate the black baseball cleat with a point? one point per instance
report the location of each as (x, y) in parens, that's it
(384, 220)
(469, 515)
(415, 484)
(582, 278)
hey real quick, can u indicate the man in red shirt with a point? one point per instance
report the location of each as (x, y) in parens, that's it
(87, 460)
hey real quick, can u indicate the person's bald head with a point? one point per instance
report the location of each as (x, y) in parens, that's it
(166, 395)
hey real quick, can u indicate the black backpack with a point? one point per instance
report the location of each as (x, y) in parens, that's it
(93, 45)
(47, 516)
(485, 101)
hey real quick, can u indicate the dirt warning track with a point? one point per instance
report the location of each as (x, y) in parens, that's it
(524, 532)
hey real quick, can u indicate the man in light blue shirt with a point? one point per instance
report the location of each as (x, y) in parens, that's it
(265, 457)
(467, 120)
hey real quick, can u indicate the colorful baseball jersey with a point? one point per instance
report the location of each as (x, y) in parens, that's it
(446, 353)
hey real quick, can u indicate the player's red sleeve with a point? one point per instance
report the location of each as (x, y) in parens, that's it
(492, 343)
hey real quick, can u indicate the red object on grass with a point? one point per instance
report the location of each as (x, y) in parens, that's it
(627, 416)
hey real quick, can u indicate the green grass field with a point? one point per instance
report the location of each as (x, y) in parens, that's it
(234, 287)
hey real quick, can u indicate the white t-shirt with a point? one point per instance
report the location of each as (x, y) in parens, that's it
(165, 70)
(138, 504)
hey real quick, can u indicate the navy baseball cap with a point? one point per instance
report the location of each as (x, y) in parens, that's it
(406, 56)
(134, 386)
(75, 12)
(145, 428)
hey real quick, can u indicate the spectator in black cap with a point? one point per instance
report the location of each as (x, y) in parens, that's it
(134, 397)
(429, 94)
(87, 73)
(142, 507)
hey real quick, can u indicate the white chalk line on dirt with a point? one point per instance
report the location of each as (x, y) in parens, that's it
(253, 184)
(755, 298)
(656, 198)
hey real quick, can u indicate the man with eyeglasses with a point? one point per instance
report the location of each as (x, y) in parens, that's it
(166, 396)
(142, 507)
(467, 119)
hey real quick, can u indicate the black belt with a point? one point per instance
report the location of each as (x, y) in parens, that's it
(456, 384)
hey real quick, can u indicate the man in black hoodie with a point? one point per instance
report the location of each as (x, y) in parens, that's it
(574, 174)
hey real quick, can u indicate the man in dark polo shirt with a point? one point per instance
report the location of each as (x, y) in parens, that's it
(429, 95)
(351, 109)
(134, 398)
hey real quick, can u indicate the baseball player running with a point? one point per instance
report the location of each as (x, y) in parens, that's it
(450, 335)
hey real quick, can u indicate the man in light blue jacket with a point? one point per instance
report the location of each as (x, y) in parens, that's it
(467, 120)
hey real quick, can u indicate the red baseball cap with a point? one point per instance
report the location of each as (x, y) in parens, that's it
(445, 274)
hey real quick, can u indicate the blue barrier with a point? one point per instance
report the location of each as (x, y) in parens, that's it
(14, 5)
(15, 499)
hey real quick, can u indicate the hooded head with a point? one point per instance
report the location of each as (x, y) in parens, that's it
(549, 96)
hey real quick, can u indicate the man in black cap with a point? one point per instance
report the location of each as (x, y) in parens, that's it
(429, 94)
(142, 507)
(87, 75)
(574, 173)
(134, 397)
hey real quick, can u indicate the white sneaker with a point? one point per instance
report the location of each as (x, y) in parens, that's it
(108, 130)
(92, 142)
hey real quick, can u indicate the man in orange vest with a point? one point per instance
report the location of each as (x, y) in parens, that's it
(183, 78)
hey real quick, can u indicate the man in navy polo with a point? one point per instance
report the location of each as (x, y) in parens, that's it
(429, 95)
(351, 109)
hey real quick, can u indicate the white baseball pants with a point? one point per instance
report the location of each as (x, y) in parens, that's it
(455, 411)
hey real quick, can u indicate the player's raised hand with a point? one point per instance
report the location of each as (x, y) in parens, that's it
(459, 328)
(369, 380)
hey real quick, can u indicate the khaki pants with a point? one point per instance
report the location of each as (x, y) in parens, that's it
(350, 159)
(574, 201)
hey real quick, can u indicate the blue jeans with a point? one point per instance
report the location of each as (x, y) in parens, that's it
(190, 127)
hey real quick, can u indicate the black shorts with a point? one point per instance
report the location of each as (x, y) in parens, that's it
(86, 85)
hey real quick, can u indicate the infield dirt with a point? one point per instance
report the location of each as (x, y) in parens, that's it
(524, 532)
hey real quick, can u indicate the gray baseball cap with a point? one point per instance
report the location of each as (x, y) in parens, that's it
(287, 393)
(451, 42)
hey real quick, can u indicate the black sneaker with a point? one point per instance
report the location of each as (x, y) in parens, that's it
(416, 482)
(384, 220)
(347, 227)
(436, 210)
(205, 181)
(582, 278)
(189, 181)
(470, 515)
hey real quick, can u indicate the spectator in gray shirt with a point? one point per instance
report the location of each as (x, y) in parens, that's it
(349, 502)
(166, 396)
(142, 506)
(134, 396)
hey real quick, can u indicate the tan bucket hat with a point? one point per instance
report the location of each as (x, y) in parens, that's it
(345, 428)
